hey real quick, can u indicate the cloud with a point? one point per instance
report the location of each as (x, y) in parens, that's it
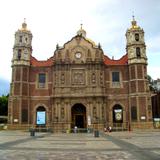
(154, 72)
(52, 22)
(153, 44)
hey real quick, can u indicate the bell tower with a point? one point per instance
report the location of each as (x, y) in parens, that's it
(22, 46)
(18, 108)
(136, 47)
(139, 96)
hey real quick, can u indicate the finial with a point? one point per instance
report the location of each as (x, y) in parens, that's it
(57, 46)
(133, 17)
(134, 22)
(99, 45)
(81, 25)
(24, 25)
(81, 31)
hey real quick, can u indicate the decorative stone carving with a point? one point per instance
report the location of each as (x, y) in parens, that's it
(62, 112)
(101, 78)
(78, 77)
(94, 112)
(59, 55)
(93, 78)
(62, 78)
(89, 53)
(78, 39)
(67, 56)
(76, 90)
(54, 112)
(89, 59)
(102, 112)
(97, 54)
(56, 79)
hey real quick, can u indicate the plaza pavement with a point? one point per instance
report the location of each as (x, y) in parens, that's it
(19, 145)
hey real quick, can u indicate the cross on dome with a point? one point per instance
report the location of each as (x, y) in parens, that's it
(81, 31)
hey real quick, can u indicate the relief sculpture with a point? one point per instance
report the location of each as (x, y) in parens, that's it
(78, 77)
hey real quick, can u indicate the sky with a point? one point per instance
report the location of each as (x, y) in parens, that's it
(57, 21)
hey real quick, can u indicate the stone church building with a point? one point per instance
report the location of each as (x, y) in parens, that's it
(80, 85)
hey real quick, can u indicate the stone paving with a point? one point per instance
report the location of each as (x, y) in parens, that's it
(19, 145)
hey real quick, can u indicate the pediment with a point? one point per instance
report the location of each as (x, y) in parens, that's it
(77, 50)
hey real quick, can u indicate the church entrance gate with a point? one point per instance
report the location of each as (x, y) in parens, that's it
(78, 115)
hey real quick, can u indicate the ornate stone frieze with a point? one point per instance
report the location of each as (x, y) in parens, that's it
(76, 90)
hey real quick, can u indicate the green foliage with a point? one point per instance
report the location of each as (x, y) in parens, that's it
(4, 105)
(150, 80)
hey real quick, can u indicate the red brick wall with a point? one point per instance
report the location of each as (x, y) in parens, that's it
(133, 101)
(141, 86)
(13, 74)
(16, 88)
(24, 89)
(123, 79)
(25, 103)
(132, 72)
(18, 73)
(139, 72)
(25, 74)
(133, 86)
(16, 106)
(34, 71)
(142, 106)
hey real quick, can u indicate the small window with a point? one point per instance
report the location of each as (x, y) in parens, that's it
(20, 39)
(41, 80)
(115, 77)
(137, 37)
(134, 113)
(19, 54)
(138, 52)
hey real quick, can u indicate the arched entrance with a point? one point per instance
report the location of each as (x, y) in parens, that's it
(41, 116)
(79, 115)
(117, 114)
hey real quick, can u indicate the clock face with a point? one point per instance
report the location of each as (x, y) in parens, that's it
(78, 55)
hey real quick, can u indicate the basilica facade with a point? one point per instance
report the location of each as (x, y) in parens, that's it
(80, 85)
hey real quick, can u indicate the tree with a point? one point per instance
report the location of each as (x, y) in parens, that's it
(154, 85)
(4, 105)
(150, 80)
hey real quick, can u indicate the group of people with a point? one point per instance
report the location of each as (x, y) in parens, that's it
(108, 129)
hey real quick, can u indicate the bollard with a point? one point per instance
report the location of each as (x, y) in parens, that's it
(96, 133)
(32, 132)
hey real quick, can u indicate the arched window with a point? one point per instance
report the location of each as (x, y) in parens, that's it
(20, 39)
(137, 37)
(138, 52)
(19, 54)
